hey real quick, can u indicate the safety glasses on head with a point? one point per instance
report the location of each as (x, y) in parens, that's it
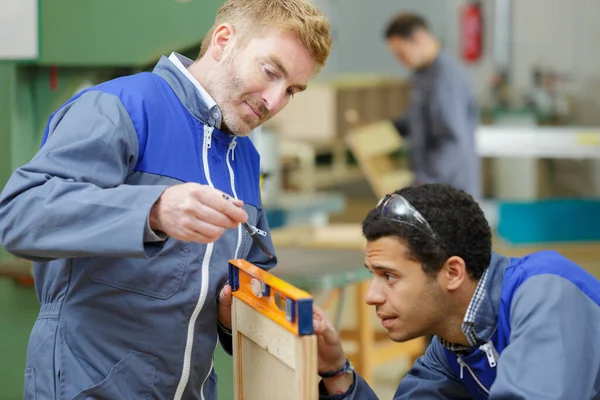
(397, 208)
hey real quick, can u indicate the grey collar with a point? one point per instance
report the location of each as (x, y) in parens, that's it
(187, 92)
(486, 318)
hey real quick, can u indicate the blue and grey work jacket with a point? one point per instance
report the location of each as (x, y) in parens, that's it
(123, 317)
(539, 325)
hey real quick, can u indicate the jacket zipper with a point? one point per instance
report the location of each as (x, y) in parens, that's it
(491, 353)
(185, 373)
(259, 231)
(462, 365)
(232, 181)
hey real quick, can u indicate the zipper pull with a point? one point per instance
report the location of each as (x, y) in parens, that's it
(207, 136)
(490, 352)
(462, 365)
(259, 231)
(232, 148)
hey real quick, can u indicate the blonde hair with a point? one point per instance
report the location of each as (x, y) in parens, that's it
(299, 17)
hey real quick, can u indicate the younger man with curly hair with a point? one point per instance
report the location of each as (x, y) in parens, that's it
(505, 328)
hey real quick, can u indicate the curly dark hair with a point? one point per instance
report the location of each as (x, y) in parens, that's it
(456, 219)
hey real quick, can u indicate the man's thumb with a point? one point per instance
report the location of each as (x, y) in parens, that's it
(225, 296)
(330, 336)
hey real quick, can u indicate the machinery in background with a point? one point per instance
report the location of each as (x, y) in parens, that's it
(548, 98)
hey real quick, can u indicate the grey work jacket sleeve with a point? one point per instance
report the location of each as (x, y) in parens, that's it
(70, 200)
(429, 378)
(554, 350)
(153, 236)
(225, 338)
(448, 133)
(360, 390)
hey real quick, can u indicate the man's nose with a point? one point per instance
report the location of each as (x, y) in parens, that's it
(274, 98)
(374, 296)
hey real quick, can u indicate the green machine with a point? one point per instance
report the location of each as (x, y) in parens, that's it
(74, 44)
(80, 43)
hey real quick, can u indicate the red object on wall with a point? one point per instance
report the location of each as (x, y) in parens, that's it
(471, 26)
(53, 77)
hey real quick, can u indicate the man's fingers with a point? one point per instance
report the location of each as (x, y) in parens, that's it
(222, 202)
(204, 229)
(225, 296)
(318, 310)
(316, 327)
(212, 216)
(197, 231)
(196, 213)
(323, 327)
(329, 335)
(232, 210)
(189, 236)
(236, 202)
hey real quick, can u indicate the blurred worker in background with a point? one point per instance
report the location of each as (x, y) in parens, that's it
(132, 208)
(442, 114)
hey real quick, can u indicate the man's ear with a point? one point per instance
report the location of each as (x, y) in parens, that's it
(454, 273)
(222, 37)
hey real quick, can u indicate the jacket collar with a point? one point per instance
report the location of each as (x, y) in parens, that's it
(486, 319)
(187, 92)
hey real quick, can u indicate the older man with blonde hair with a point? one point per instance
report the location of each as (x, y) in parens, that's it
(134, 204)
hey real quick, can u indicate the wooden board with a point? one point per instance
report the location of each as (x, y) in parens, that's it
(274, 348)
(374, 146)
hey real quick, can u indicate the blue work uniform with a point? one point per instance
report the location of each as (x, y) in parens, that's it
(124, 314)
(440, 125)
(540, 328)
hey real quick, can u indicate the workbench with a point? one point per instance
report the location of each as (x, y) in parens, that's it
(532, 203)
(538, 141)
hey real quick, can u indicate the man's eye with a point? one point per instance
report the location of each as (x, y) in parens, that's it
(390, 277)
(269, 72)
(290, 92)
